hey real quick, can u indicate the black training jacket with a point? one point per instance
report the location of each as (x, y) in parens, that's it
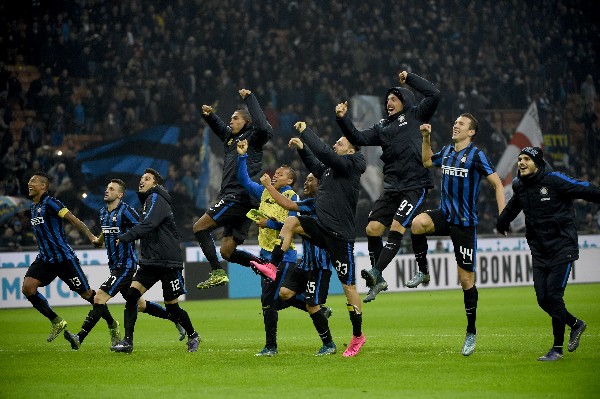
(339, 184)
(546, 199)
(400, 137)
(257, 134)
(157, 232)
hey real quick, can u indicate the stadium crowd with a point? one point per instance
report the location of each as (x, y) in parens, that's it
(79, 72)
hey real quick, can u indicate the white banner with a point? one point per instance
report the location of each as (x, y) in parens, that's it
(494, 269)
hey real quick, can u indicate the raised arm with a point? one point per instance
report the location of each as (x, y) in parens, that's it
(253, 188)
(426, 151)
(215, 123)
(322, 152)
(426, 108)
(259, 120)
(357, 137)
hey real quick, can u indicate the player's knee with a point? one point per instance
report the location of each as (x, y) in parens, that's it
(30, 286)
(226, 253)
(286, 293)
(133, 294)
(418, 225)
(87, 295)
(373, 229)
(28, 289)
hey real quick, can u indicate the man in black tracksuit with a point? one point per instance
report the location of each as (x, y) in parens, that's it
(405, 182)
(234, 201)
(338, 170)
(160, 260)
(546, 199)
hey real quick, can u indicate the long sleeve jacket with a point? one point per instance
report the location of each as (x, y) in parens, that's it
(160, 242)
(546, 199)
(339, 184)
(400, 137)
(257, 134)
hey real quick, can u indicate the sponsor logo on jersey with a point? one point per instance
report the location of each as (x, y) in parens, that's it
(453, 171)
(110, 230)
(37, 220)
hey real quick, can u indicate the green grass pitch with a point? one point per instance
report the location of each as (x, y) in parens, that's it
(412, 350)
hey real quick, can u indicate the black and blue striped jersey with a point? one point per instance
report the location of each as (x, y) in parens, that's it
(313, 257)
(462, 172)
(113, 224)
(48, 228)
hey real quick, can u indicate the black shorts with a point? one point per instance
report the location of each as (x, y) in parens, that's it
(232, 216)
(118, 281)
(317, 286)
(340, 251)
(401, 206)
(464, 239)
(68, 271)
(171, 278)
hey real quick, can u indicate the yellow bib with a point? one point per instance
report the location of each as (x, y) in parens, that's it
(268, 237)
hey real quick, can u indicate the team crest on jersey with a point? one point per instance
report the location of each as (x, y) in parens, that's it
(39, 210)
(402, 120)
(544, 192)
(463, 159)
(229, 142)
(114, 219)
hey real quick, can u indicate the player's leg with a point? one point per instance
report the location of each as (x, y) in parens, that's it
(464, 241)
(292, 225)
(271, 303)
(317, 288)
(155, 310)
(143, 280)
(173, 287)
(424, 224)
(553, 292)
(40, 275)
(291, 292)
(380, 218)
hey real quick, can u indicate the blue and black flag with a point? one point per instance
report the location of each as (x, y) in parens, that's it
(126, 159)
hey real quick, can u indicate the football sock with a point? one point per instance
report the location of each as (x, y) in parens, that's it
(419, 244)
(570, 320)
(154, 309)
(322, 326)
(389, 251)
(471, 297)
(130, 312)
(105, 312)
(355, 319)
(180, 316)
(298, 301)
(277, 254)
(375, 245)
(207, 244)
(90, 321)
(243, 258)
(40, 303)
(270, 318)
